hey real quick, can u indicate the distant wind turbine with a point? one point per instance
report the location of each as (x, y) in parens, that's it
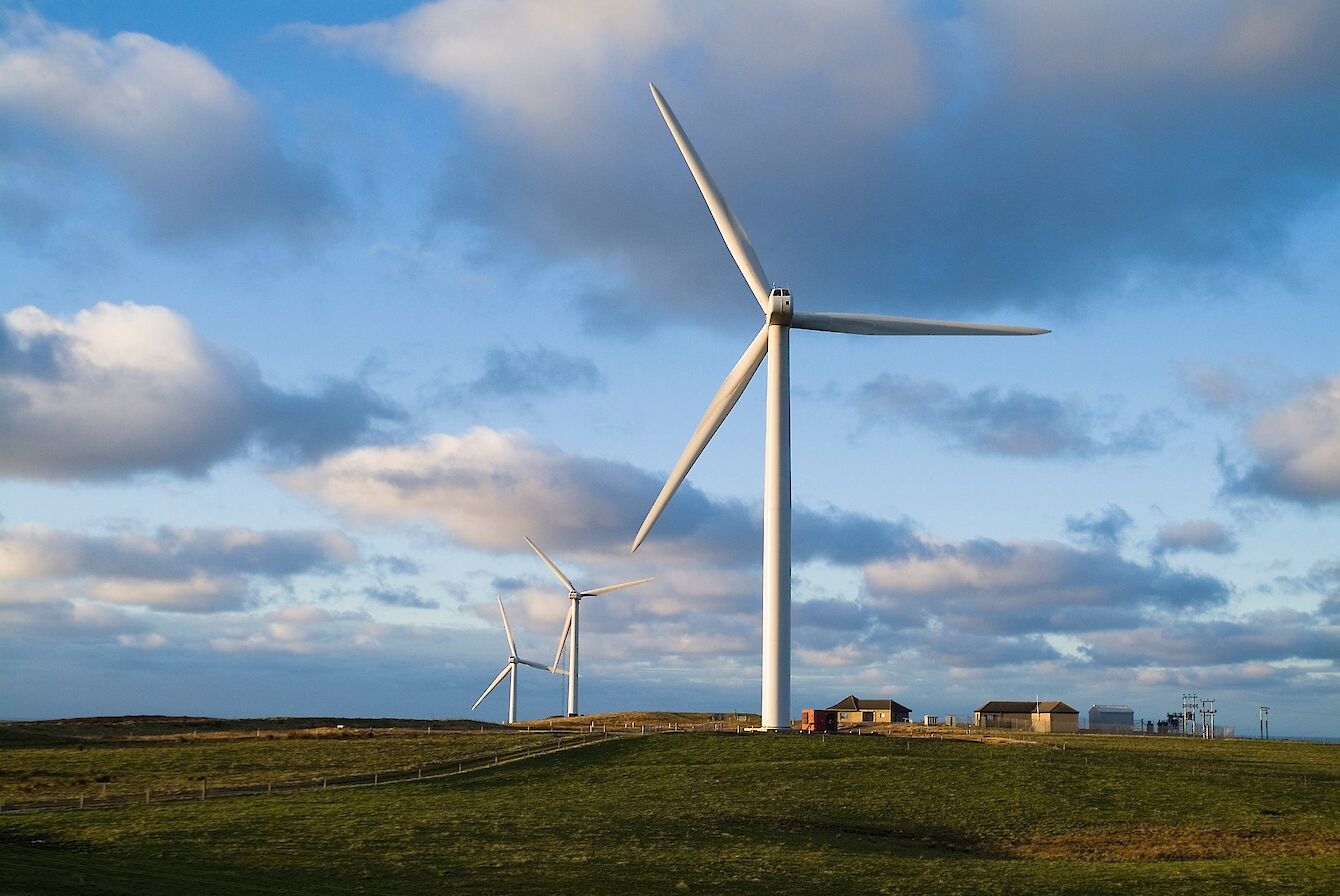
(509, 669)
(572, 624)
(774, 341)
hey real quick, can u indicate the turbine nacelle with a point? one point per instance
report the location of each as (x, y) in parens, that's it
(779, 308)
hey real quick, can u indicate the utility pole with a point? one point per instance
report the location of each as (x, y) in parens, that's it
(1190, 705)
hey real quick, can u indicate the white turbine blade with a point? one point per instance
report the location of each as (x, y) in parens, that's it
(731, 231)
(489, 689)
(511, 644)
(567, 583)
(532, 665)
(721, 405)
(883, 325)
(608, 588)
(563, 638)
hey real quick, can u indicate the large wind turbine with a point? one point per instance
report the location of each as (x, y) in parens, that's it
(508, 669)
(571, 626)
(774, 341)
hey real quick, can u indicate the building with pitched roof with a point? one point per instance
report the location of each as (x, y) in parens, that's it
(854, 711)
(1046, 716)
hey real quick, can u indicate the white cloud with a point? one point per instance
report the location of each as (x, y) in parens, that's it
(181, 137)
(128, 386)
(118, 389)
(552, 69)
(533, 64)
(184, 570)
(1297, 448)
(487, 489)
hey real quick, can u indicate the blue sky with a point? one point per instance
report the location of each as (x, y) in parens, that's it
(313, 310)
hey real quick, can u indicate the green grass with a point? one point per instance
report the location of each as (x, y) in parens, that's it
(120, 769)
(726, 814)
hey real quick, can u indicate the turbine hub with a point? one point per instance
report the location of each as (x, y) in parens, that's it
(779, 306)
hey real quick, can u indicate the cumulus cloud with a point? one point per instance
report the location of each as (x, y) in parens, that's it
(990, 587)
(991, 155)
(178, 135)
(488, 488)
(525, 62)
(1296, 448)
(122, 389)
(1016, 423)
(1195, 535)
(178, 569)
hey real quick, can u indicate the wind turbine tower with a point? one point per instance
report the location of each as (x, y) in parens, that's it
(572, 626)
(774, 341)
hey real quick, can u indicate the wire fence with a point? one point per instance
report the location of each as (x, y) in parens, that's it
(422, 772)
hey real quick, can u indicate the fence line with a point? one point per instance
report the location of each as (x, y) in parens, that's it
(423, 772)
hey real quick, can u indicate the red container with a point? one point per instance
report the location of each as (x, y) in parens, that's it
(820, 720)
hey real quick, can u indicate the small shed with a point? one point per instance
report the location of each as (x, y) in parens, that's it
(818, 720)
(853, 711)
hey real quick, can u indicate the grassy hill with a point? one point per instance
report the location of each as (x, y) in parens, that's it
(721, 813)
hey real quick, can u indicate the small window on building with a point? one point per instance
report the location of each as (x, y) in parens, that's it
(867, 717)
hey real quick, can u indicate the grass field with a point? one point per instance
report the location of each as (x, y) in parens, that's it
(725, 813)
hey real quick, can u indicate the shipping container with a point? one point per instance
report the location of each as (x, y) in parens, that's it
(820, 720)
